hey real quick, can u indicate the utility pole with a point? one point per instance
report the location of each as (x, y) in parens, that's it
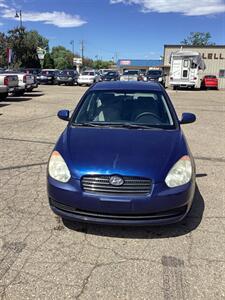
(82, 50)
(72, 43)
(19, 15)
(116, 57)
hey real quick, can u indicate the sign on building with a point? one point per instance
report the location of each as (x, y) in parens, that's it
(41, 53)
(77, 61)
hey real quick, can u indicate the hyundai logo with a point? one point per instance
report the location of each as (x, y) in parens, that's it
(116, 180)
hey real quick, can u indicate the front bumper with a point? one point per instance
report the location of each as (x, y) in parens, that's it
(17, 89)
(83, 81)
(161, 206)
(45, 80)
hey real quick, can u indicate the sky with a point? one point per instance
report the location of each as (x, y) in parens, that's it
(115, 29)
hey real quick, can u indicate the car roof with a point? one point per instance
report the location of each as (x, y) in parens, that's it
(127, 85)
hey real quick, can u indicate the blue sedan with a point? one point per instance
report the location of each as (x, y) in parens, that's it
(123, 158)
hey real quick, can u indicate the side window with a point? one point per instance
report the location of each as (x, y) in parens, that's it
(185, 73)
(193, 65)
(222, 74)
(185, 63)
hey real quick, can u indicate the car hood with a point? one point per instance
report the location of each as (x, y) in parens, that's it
(109, 76)
(130, 75)
(128, 152)
(154, 76)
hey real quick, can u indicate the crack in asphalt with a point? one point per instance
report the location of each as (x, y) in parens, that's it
(23, 166)
(213, 159)
(28, 141)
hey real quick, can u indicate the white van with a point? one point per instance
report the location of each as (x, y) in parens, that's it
(185, 66)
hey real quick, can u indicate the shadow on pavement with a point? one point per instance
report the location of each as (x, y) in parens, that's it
(31, 94)
(18, 99)
(190, 223)
(5, 104)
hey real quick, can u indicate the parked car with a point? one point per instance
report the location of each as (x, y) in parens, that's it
(104, 71)
(3, 91)
(67, 77)
(8, 84)
(34, 72)
(111, 76)
(48, 76)
(25, 83)
(209, 82)
(123, 158)
(131, 75)
(156, 75)
(88, 77)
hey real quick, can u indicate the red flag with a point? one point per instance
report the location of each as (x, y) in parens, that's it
(9, 55)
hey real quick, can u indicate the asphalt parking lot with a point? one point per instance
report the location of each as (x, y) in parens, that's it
(40, 258)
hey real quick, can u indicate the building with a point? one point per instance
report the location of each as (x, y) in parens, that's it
(214, 57)
(138, 64)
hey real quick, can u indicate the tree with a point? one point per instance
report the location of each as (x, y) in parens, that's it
(87, 62)
(198, 39)
(24, 45)
(101, 64)
(3, 47)
(48, 61)
(63, 58)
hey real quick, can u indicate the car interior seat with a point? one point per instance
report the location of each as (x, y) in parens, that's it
(110, 108)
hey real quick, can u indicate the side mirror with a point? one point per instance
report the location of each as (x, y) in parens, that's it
(64, 115)
(187, 118)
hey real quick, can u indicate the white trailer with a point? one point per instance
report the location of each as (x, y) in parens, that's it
(185, 66)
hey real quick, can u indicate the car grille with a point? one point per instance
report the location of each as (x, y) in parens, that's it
(131, 185)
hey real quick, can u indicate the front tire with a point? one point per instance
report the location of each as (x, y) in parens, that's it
(3, 96)
(19, 94)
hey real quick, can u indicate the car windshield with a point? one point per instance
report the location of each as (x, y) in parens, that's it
(210, 76)
(124, 108)
(154, 73)
(86, 73)
(66, 73)
(47, 72)
(111, 73)
(130, 72)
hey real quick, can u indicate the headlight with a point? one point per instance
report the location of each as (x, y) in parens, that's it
(180, 173)
(57, 168)
(145, 78)
(160, 79)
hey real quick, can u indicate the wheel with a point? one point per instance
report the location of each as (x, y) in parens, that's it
(174, 88)
(59, 83)
(19, 94)
(3, 96)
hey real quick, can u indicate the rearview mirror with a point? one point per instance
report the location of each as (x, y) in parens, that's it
(187, 118)
(64, 115)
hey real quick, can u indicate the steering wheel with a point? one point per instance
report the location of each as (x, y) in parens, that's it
(147, 113)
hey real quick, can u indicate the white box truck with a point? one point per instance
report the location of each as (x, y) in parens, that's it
(185, 67)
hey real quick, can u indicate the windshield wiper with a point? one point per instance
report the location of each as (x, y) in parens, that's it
(86, 124)
(137, 126)
(120, 125)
